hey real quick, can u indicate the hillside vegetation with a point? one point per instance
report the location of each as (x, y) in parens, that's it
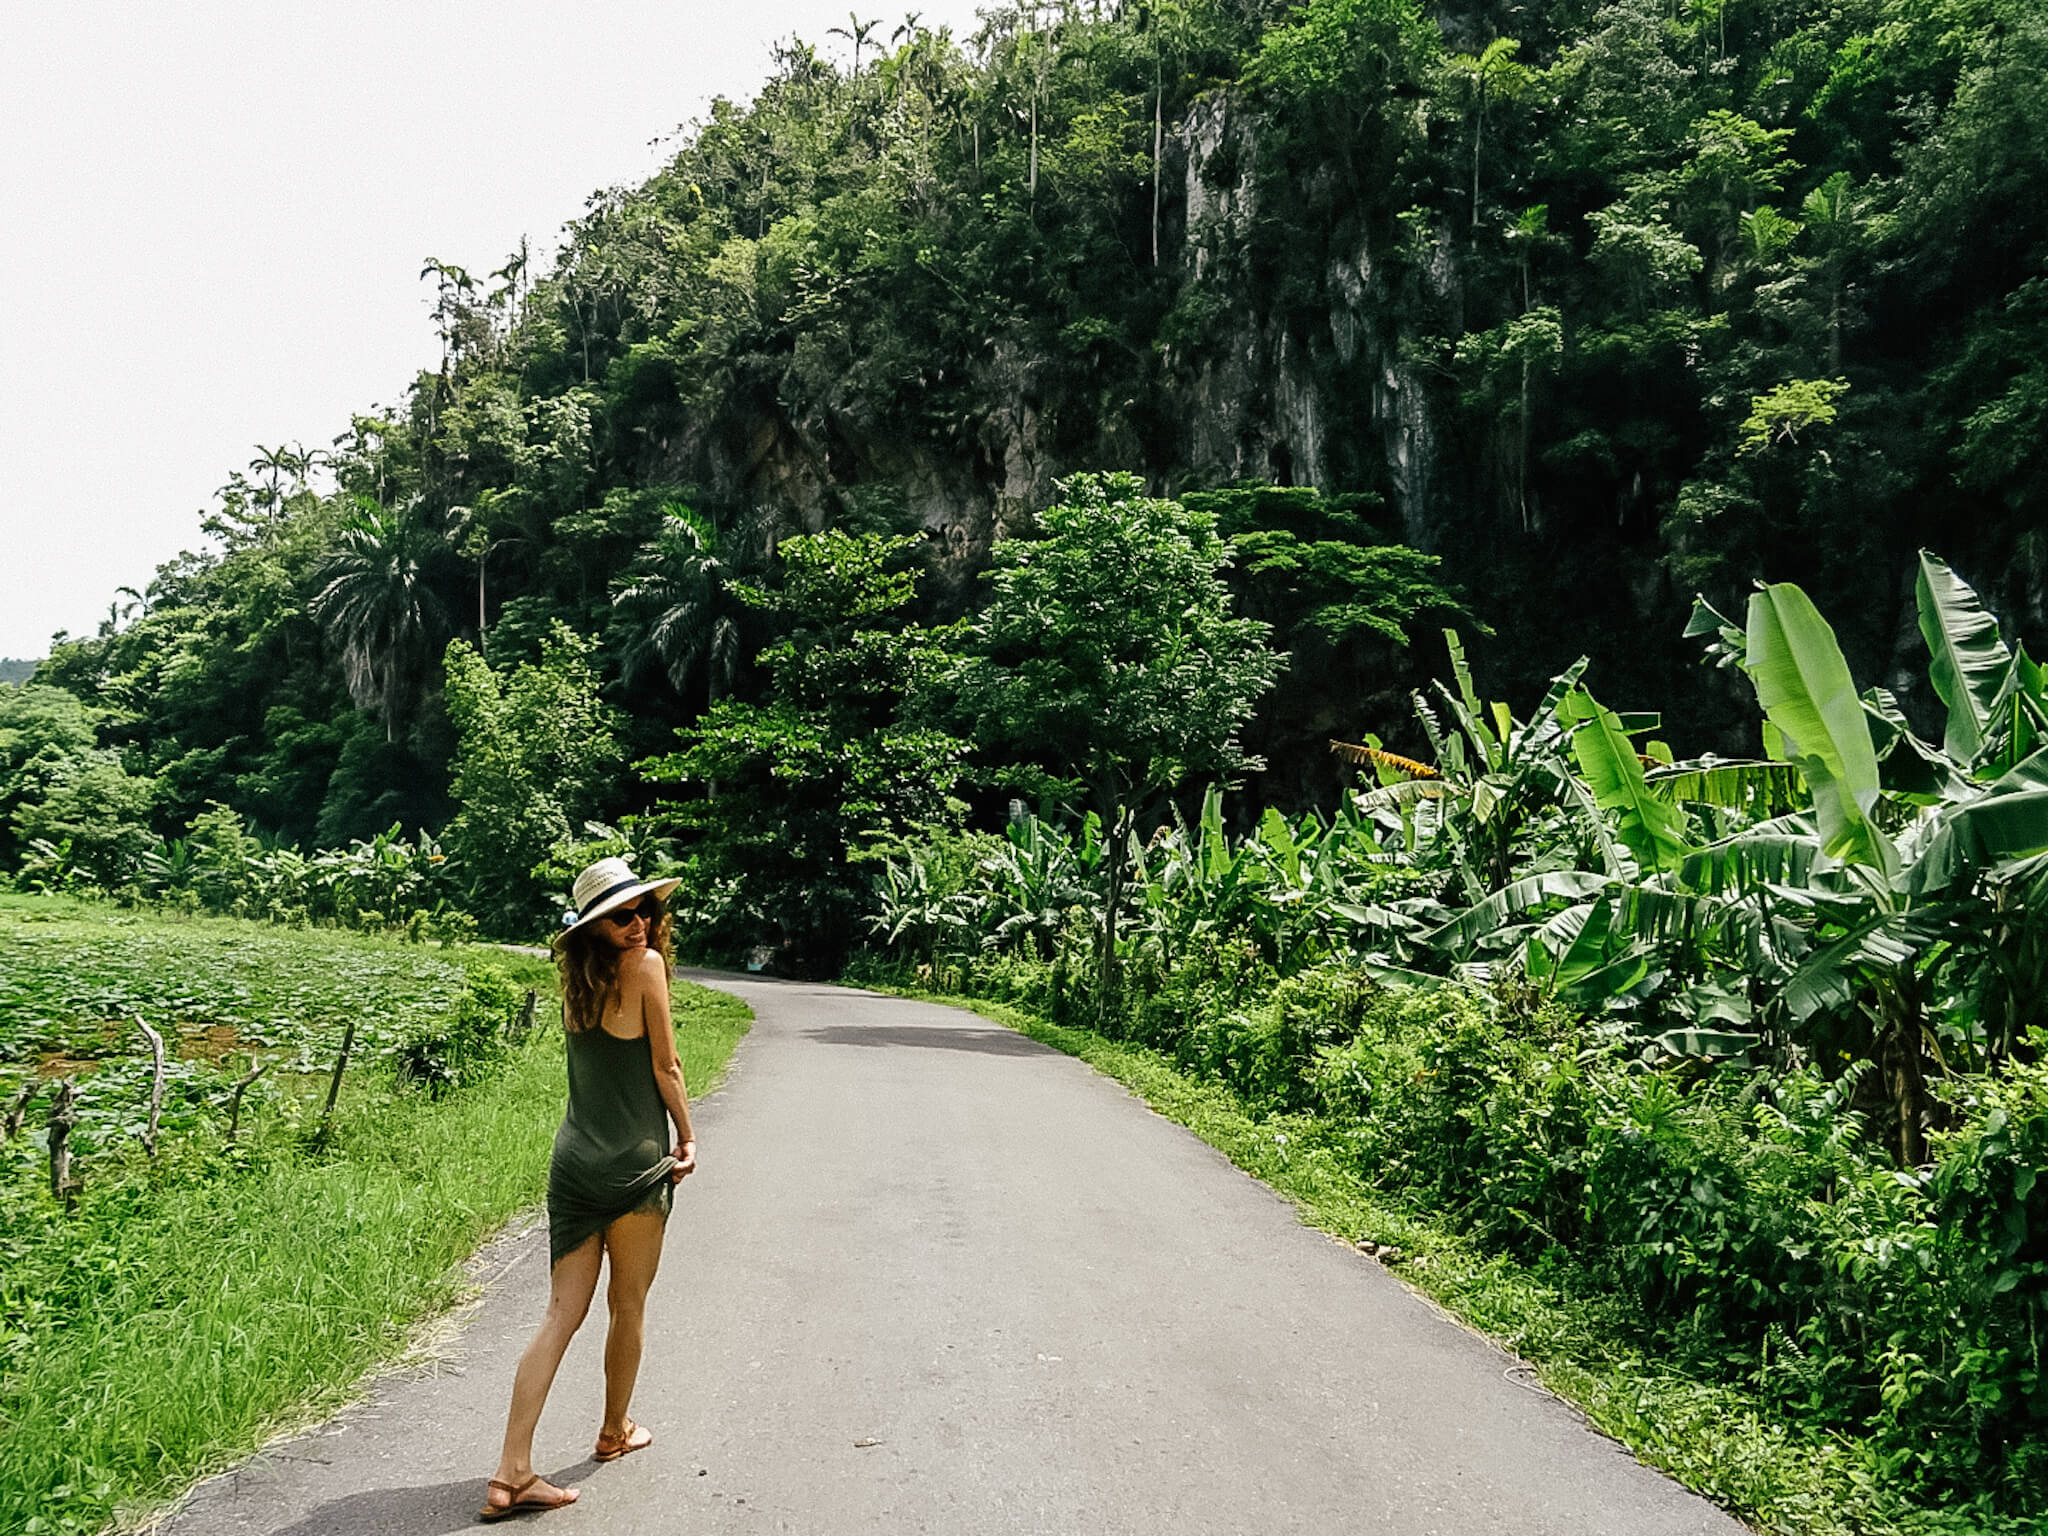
(1604, 305)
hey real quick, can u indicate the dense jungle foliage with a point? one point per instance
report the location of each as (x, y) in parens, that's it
(898, 513)
(1748, 1047)
(1603, 305)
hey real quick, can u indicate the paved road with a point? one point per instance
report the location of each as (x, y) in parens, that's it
(934, 1277)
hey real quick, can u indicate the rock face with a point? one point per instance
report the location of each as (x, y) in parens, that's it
(1319, 394)
(1312, 389)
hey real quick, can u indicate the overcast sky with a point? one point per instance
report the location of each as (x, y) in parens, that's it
(216, 214)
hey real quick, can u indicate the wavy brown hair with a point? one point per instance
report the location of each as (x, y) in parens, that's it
(589, 965)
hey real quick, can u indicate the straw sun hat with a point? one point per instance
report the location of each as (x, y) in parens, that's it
(604, 885)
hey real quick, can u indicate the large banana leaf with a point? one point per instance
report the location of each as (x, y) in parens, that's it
(2019, 714)
(1511, 901)
(1970, 659)
(1543, 728)
(1762, 789)
(1465, 704)
(2008, 821)
(1692, 1040)
(1653, 829)
(1806, 691)
(1280, 841)
(1830, 977)
(1597, 964)
(1781, 851)
(1908, 767)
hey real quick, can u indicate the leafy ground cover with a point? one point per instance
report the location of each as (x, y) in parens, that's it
(186, 1309)
(73, 977)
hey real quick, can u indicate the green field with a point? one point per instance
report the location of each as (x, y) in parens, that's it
(187, 1309)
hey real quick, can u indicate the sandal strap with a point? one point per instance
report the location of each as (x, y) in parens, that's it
(515, 1489)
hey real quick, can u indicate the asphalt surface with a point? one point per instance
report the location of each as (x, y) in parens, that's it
(934, 1277)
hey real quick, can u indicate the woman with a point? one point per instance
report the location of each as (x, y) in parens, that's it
(611, 1179)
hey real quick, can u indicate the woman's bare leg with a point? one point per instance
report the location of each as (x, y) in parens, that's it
(634, 1242)
(570, 1287)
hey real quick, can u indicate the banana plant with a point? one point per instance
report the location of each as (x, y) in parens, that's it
(911, 912)
(1036, 879)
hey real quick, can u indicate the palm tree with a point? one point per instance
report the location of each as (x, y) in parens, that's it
(379, 602)
(856, 32)
(673, 600)
(1492, 72)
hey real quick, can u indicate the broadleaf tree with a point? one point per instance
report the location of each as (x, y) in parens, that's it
(1110, 653)
(839, 760)
(537, 754)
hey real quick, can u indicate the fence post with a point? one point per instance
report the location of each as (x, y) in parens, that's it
(156, 1086)
(348, 1042)
(22, 1100)
(62, 1185)
(241, 1087)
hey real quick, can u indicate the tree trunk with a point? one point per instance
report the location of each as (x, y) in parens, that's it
(1158, 151)
(1031, 182)
(1904, 1031)
(19, 1109)
(348, 1042)
(1522, 453)
(1478, 136)
(242, 1083)
(1107, 979)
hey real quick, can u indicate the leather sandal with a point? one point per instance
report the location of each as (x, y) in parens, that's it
(611, 1447)
(517, 1503)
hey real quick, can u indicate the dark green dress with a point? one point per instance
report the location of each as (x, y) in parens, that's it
(612, 1153)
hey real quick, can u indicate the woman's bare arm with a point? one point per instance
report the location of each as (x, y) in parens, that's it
(651, 977)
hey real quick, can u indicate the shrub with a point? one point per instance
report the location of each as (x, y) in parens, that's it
(445, 1056)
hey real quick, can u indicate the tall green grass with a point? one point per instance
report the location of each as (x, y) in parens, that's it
(193, 1317)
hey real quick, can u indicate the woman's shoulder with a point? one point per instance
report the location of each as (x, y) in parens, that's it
(643, 966)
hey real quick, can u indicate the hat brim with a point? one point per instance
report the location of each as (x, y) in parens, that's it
(619, 899)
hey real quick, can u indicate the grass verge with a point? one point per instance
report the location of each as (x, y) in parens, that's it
(1717, 1440)
(172, 1325)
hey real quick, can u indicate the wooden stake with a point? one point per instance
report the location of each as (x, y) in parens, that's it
(62, 1186)
(156, 1086)
(22, 1100)
(348, 1042)
(524, 1026)
(241, 1087)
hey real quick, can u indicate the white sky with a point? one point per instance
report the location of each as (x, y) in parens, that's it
(213, 216)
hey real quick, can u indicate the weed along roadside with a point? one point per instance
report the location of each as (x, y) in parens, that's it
(186, 1305)
(1731, 1440)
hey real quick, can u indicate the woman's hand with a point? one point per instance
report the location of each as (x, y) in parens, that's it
(686, 1162)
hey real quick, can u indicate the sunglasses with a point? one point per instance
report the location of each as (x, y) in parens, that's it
(646, 911)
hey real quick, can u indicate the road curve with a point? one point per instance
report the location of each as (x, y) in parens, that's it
(935, 1277)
